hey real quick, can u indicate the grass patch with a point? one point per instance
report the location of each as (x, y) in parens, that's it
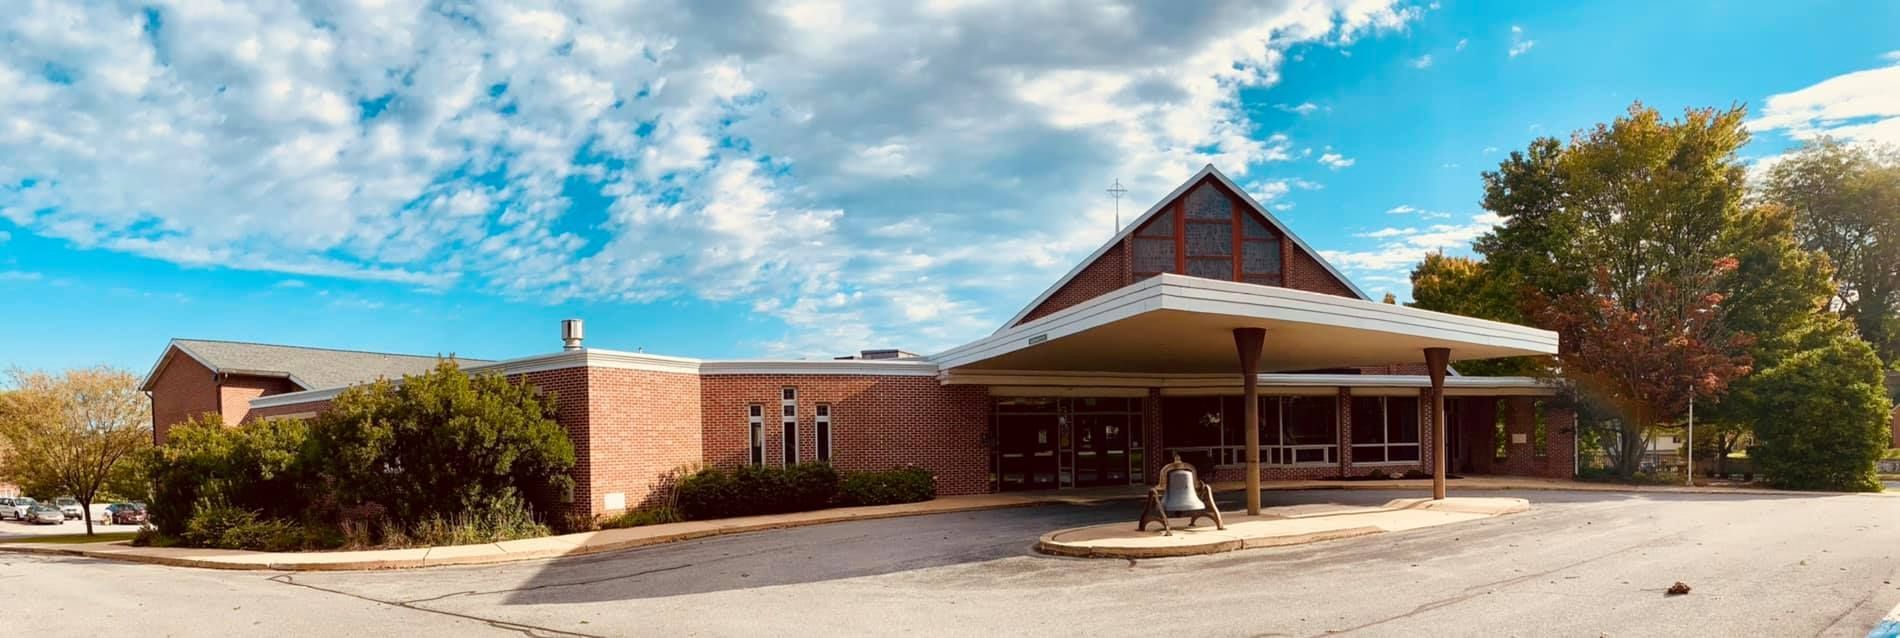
(102, 537)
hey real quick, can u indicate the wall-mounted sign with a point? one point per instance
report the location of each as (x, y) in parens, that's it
(1039, 338)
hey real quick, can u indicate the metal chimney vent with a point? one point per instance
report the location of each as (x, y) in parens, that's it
(571, 334)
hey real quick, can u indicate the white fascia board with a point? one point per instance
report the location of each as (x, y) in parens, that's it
(875, 367)
(1458, 385)
(294, 398)
(1195, 294)
(1134, 299)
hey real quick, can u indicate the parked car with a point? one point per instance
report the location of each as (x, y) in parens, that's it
(6, 507)
(69, 507)
(42, 513)
(19, 509)
(125, 514)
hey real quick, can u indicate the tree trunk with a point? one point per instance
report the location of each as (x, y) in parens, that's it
(85, 512)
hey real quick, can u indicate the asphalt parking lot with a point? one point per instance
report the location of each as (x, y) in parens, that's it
(1577, 564)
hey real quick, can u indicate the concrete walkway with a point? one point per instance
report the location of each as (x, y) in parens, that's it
(1273, 527)
(618, 539)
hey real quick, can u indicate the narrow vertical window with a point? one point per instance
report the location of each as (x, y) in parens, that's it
(821, 434)
(755, 434)
(788, 410)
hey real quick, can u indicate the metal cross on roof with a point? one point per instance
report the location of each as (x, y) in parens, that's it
(1116, 191)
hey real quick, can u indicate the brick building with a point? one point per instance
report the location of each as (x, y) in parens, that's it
(1133, 357)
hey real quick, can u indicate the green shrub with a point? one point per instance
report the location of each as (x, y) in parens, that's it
(271, 535)
(1377, 475)
(504, 518)
(1830, 418)
(442, 444)
(642, 517)
(257, 466)
(756, 489)
(902, 485)
(211, 519)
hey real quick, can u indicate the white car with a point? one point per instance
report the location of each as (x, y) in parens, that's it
(21, 505)
(69, 507)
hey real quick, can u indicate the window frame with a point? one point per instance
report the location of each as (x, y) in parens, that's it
(755, 434)
(788, 422)
(1384, 429)
(821, 431)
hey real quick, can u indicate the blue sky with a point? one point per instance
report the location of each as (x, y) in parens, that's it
(800, 179)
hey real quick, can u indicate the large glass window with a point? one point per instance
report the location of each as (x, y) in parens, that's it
(821, 431)
(1385, 430)
(1208, 234)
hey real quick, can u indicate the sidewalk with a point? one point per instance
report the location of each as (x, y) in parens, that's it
(618, 539)
(1273, 527)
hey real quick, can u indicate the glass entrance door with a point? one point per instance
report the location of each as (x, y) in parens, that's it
(1047, 442)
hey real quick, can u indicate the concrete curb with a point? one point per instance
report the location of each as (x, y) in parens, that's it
(1235, 537)
(1888, 627)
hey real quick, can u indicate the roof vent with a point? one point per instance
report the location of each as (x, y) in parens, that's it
(571, 334)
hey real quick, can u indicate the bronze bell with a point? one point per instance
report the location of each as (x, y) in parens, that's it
(1181, 496)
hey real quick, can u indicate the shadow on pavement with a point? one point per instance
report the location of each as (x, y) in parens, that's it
(869, 548)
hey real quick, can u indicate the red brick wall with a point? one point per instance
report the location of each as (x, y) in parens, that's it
(235, 394)
(641, 426)
(1304, 272)
(183, 390)
(877, 423)
(1556, 459)
(1106, 274)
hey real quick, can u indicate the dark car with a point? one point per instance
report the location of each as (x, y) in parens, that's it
(125, 514)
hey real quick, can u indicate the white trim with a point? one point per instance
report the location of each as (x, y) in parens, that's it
(1178, 191)
(878, 367)
(294, 398)
(1194, 294)
(1067, 391)
(1182, 384)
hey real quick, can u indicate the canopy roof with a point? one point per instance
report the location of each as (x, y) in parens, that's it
(1173, 324)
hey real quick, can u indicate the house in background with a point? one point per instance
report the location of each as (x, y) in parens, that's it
(1134, 357)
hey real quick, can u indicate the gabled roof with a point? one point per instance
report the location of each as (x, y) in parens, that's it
(309, 368)
(1162, 205)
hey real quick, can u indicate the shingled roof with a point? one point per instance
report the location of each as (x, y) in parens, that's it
(310, 368)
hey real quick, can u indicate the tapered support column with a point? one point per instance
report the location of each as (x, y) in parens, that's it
(1435, 361)
(1248, 342)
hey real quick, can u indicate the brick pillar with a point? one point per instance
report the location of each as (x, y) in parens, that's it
(1151, 435)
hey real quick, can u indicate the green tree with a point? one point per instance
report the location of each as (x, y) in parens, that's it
(1831, 420)
(69, 434)
(1846, 204)
(443, 443)
(1469, 287)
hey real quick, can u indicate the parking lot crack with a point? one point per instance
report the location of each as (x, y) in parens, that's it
(533, 631)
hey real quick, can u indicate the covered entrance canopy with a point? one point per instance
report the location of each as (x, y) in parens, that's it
(1172, 324)
(1176, 324)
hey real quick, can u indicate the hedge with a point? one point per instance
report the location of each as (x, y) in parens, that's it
(754, 490)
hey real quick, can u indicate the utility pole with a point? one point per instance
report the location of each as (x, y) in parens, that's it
(1116, 191)
(1691, 472)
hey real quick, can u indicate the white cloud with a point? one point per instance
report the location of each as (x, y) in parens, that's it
(1271, 191)
(290, 283)
(18, 275)
(1519, 43)
(1401, 209)
(1422, 62)
(1489, 150)
(1336, 161)
(1399, 248)
(740, 152)
(1303, 108)
(1408, 209)
(1462, 43)
(1861, 106)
